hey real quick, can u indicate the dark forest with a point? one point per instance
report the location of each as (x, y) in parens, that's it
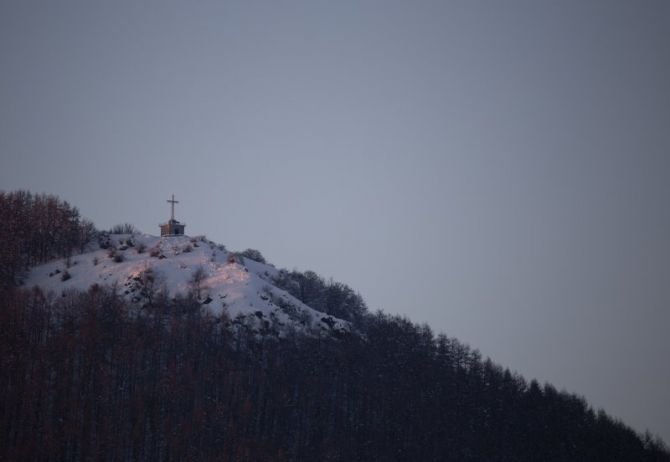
(89, 376)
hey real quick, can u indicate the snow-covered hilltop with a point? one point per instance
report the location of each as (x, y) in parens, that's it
(140, 265)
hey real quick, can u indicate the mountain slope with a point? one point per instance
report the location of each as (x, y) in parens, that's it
(139, 360)
(140, 264)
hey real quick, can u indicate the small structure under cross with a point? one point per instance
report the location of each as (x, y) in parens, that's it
(172, 227)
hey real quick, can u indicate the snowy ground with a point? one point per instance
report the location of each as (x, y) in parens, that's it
(240, 285)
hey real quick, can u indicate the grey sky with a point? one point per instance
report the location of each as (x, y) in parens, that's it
(499, 170)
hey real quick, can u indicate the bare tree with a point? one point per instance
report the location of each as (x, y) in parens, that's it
(199, 276)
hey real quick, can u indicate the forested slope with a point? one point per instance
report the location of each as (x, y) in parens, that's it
(90, 375)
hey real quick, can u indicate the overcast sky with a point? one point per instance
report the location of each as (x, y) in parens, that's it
(499, 170)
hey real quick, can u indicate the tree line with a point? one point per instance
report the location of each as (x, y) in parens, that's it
(37, 228)
(87, 376)
(328, 297)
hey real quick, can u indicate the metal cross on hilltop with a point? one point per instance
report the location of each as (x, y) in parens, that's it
(172, 202)
(172, 227)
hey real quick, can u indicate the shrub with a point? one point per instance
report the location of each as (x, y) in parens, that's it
(118, 258)
(254, 255)
(65, 276)
(124, 228)
(103, 240)
(141, 248)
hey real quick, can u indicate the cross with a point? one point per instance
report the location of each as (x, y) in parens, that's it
(173, 202)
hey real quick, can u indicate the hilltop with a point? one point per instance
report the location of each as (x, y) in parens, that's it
(139, 266)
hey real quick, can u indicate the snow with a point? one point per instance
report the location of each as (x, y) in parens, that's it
(239, 285)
